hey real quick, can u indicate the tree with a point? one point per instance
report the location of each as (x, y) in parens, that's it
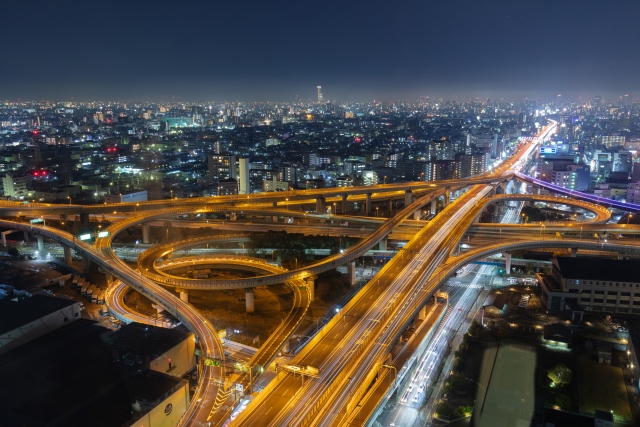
(560, 374)
(14, 252)
(563, 401)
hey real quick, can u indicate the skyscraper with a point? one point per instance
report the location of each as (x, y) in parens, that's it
(245, 187)
(319, 93)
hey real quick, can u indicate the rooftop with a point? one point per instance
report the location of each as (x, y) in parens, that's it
(612, 270)
(14, 314)
(76, 375)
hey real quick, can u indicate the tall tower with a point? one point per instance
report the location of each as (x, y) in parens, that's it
(319, 93)
(245, 186)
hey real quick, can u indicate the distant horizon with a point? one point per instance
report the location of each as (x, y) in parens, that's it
(607, 97)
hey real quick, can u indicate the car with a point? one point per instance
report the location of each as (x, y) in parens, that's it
(420, 389)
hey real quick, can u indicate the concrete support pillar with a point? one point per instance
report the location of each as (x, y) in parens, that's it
(351, 272)
(146, 231)
(85, 264)
(84, 219)
(507, 258)
(447, 197)
(368, 204)
(417, 214)
(408, 197)
(108, 277)
(311, 288)
(321, 205)
(382, 245)
(4, 238)
(574, 252)
(67, 255)
(390, 208)
(422, 314)
(26, 236)
(275, 204)
(620, 255)
(184, 295)
(344, 204)
(434, 205)
(40, 244)
(248, 295)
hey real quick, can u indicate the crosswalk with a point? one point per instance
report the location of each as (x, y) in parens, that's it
(463, 285)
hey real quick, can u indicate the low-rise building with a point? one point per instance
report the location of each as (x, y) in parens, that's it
(593, 284)
(25, 319)
(133, 196)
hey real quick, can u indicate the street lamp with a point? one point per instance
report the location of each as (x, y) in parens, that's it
(376, 211)
(69, 197)
(629, 217)
(541, 227)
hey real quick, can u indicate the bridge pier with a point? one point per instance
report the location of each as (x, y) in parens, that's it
(248, 296)
(507, 258)
(408, 197)
(26, 236)
(434, 205)
(84, 220)
(574, 252)
(417, 214)
(184, 295)
(382, 245)
(275, 204)
(67, 255)
(422, 314)
(108, 278)
(620, 255)
(85, 264)
(311, 287)
(321, 205)
(344, 204)
(351, 272)
(146, 231)
(447, 197)
(40, 244)
(368, 204)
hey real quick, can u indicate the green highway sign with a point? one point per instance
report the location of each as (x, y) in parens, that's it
(85, 236)
(103, 234)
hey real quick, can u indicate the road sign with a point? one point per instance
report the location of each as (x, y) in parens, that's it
(103, 234)
(36, 220)
(239, 387)
(85, 236)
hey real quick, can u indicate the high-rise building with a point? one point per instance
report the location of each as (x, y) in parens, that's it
(222, 166)
(319, 93)
(244, 176)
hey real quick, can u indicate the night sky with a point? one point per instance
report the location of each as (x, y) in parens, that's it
(259, 50)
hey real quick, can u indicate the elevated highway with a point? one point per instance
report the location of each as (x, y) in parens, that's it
(629, 207)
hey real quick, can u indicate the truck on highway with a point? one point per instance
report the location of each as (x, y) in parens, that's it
(83, 289)
(91, 291)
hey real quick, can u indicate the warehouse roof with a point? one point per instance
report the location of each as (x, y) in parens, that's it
(15, 313)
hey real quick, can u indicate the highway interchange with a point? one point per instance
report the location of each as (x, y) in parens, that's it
(355, 343)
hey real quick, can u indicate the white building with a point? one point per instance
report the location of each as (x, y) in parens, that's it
(134, 196)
